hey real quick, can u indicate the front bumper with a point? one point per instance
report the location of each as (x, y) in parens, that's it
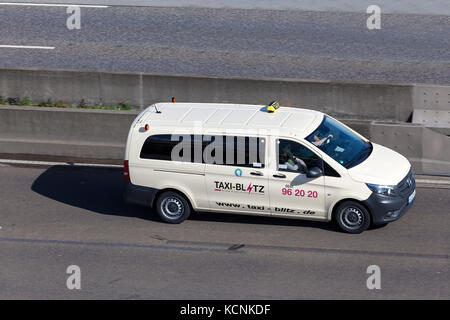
(387, 209)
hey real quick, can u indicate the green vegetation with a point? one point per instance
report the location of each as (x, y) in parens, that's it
(83, 104)
(25, 101)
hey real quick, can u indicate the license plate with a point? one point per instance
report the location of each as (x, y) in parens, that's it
(412, 196)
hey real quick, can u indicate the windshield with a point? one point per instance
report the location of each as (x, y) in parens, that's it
(340, 143)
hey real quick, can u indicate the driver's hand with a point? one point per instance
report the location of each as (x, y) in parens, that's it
(300, 161)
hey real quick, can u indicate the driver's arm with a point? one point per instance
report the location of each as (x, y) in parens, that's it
(318, 143)
(291, 167)
(301, 163)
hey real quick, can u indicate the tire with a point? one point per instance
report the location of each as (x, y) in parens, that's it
(172, 207)
(352, 217)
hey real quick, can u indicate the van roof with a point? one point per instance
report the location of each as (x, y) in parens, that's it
(220, 116)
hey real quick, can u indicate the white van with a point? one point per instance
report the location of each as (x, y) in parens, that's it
(245, 159)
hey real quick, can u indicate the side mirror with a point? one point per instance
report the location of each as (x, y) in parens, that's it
(314, 172)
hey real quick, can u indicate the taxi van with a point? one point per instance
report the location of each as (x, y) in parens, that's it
(262, 160)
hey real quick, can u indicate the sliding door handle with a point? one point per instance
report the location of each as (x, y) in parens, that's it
(280, 176)
(256, 173)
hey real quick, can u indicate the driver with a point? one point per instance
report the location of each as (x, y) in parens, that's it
(290, 160)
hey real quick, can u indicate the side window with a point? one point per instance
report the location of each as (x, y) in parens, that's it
(158, 147)
(220, 150)
(245, 151)
(329, 171)
(236, 151)
(294, 157)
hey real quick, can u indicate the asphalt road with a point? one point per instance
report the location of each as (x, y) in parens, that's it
(231, 42)
(54, 217)
(439, 7)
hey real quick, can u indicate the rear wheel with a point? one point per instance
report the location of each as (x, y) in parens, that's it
(352, 217)
(172, 207)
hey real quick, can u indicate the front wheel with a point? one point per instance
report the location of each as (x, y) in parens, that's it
(172, 207)
(352, 217)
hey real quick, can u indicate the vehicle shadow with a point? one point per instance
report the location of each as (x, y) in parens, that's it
(100, 190)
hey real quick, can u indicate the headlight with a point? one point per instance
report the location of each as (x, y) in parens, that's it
(381, 189)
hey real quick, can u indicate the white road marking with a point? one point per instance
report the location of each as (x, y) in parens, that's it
(25, 47)
(50, 5)
(51, 163)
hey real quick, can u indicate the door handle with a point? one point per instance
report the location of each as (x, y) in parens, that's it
(256, 173)
(281, 176)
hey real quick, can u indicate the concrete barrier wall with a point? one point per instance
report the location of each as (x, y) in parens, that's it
(343, 99)
(72, 86)
(102, 134)
(432, 107)
(64, 132)
(98, 134)
(427, 150)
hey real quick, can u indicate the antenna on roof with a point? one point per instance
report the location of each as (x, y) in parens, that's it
(157, 111)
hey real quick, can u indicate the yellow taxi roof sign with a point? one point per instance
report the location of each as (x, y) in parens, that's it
(274, 105)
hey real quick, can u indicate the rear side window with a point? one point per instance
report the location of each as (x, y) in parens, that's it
(158, 147)
(211, 149)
